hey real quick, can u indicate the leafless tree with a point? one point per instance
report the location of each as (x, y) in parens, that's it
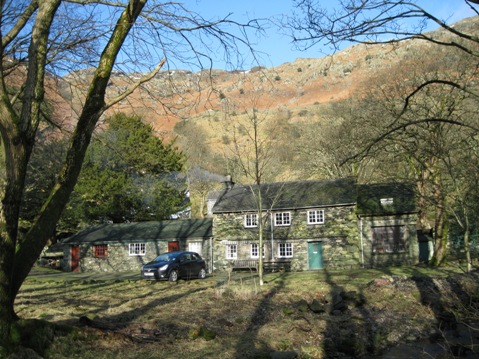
(252, 151)
(426, 114)
(43, 42)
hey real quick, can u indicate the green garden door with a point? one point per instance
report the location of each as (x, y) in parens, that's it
(315, 255)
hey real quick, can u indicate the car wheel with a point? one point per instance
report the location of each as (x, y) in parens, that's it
(202, 274)
(173, 276)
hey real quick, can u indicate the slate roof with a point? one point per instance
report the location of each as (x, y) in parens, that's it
(289, 195)
(402, 194)
(143, 232)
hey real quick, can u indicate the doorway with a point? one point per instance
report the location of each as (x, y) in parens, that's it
(315, 255)
(173, 246)
(75, 258)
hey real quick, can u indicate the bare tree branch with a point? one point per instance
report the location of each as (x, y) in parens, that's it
(135, 85)
(366, 150)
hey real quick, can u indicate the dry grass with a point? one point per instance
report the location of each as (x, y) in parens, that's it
(164, 320)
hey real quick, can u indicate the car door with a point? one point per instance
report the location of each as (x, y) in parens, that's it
(196, 264)
(185, 265)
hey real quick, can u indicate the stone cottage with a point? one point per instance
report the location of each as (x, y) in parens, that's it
(315, 224)
(127, 246)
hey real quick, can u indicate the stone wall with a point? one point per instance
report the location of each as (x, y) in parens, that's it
(119, 259)
(339, 235)
(411, 253)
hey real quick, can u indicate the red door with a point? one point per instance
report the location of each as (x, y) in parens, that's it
(75, 258)
(173, 246)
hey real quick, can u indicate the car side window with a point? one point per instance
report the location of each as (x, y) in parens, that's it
(194, 256)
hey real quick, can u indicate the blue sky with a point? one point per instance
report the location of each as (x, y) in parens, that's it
(279, 48)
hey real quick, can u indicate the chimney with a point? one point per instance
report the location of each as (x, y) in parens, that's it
(228, 183)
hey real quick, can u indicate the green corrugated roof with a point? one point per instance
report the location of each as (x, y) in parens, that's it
(401, 195)
(288, 195)
(144, 231)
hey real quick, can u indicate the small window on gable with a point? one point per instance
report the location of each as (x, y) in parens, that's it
(251, 220)
(387, 201)
(316, 217)
(282, 219)
(137, 249)
(100, 250)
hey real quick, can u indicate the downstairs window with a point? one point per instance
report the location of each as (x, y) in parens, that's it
(100, 250)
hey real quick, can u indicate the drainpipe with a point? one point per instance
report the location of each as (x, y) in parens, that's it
(211, 255)
(362, 244)
(272, 234)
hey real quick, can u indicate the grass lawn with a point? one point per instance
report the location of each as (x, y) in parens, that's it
(101, 316)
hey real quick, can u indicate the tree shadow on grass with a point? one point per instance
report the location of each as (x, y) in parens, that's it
(456, 312)
(249, 343)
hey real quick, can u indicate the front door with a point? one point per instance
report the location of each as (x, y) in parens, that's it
(173, 246)
(315, 255)
(75, 258)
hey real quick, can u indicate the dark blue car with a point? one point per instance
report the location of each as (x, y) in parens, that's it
(173, 265)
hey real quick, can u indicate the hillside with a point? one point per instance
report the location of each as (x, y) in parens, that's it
(186, 104)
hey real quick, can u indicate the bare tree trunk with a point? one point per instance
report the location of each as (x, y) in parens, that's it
(440, 231)
(260, 236)
(18, 133)
(422, 220)
(18, 257)
(467, 248)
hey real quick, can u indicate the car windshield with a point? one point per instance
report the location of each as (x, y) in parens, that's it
(166, 257)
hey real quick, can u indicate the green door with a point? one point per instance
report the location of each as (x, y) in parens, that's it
(315, 255)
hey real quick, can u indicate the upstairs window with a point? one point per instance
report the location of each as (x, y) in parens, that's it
(137, 249)
(316, 217)
(100, 250)
(282, 219)
(251, 220)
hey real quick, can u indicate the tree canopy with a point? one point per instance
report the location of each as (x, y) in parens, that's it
(129, 174)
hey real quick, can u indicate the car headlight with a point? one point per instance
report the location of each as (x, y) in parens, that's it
(163, 267)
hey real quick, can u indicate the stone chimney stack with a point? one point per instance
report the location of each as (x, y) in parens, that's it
(228, 183)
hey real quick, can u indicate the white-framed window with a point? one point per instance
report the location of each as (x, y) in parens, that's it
(251, 220)
(195, 247)
(255, 250)
(285, 250)
(316, 216)
(231, 251)
(137, 249)
(387, 201)
(282, 219)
